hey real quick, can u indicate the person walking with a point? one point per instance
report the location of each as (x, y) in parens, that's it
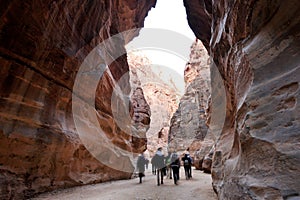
(187, 164)
(159, 162)
(175, 165)
(141, 166)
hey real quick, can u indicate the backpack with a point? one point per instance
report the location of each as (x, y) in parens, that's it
(174, 157)
(187, 161)
(175, 160)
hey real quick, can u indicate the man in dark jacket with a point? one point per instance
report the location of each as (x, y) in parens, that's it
(187, 163)
(159, 162)
(175, 165)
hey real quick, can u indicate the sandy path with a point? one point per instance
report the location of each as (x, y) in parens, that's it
(199, 187)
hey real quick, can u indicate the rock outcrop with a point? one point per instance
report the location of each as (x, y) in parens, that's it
(255, 47)
(140, 119)
(188, 127)
(43, 44)
(161, 96)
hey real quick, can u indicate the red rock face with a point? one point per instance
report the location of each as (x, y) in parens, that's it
(141, 120)
(43, 43)
(255, 46)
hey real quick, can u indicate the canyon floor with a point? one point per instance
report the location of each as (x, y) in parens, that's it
(199, 187)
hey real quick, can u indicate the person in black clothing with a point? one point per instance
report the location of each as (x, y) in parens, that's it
(187, 163)
(141, 166)
(175, 165)
(159, 162)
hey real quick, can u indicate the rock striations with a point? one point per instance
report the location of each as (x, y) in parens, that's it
(188, 127)
(255, 47)
(43, 43)
(255, 79)
(161, 95)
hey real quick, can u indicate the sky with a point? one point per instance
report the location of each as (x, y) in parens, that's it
(170, 15)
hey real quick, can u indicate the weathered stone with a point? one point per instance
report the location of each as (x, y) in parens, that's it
(161, 97)
(188, 127)
(207, 160)
(141, 120)
(43, 44)
(255, 46)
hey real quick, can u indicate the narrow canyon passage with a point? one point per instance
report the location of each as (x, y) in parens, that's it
(76, 108)
(199, 187)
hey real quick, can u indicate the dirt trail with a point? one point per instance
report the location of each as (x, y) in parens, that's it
(199, 187)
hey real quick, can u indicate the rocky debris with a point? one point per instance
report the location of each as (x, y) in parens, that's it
(205, 152)
(206, 164)
(188, 127)
(255, 48)
(207, 160)
(43, 44)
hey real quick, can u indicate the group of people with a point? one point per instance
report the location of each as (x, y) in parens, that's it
(169, 165)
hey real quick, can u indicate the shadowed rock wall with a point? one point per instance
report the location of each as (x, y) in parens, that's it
(43, 43)
(188, 126)
(255, 46)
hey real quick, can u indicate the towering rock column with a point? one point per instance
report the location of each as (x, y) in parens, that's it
(188, 124)
(161, 96)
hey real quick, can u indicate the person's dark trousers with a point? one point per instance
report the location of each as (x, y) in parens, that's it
(186, 171)
(175, 174)
(141, 175)
(190, 171)
(161, 174)
(140, 178)
(153, 169)
(170, 168)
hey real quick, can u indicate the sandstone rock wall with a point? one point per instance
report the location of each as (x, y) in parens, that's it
(188, 127)
(161, 97)
(43, 43)
(255, 47)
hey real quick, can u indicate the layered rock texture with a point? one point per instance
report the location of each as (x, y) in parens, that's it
(43, 44)
(160, 94)
(255, 48)
(188, 128)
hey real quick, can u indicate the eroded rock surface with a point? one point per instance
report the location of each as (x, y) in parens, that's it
(188, 127)
(255, 47)
(140, 120)
(161, 96)
(43, 43)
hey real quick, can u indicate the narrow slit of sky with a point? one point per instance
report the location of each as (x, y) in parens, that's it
(170, 15)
